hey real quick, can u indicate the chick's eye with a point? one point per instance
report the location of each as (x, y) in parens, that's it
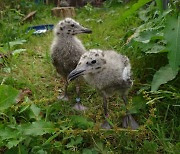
(93, 61)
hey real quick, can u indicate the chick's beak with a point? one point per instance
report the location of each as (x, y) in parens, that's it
(86, 30)
(75, 74)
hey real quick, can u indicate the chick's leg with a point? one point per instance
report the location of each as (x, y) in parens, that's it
(105, 124)
(105, 106)
(64, 96)
(128, 120)
(78, 106)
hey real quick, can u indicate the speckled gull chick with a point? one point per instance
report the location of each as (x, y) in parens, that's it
(66, 50)
(108, 72)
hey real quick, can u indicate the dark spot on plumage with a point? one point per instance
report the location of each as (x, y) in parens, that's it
(98, 68)
(104, 61)
(96, 55)
(58, 33)
(69, 30)
(93, 61)
(126, 62)
(61, 28)
(68, 33)
(87, 63)
(72, 25)
(102, 54)
(73, 32)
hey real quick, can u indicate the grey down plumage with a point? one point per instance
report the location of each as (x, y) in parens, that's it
(108, 72)
(66, 48)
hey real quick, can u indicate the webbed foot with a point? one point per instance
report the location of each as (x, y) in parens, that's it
(106, 125)
(79, 107)
(63, 98)
(129, 121)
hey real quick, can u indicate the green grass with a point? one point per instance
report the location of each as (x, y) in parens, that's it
(33, 70)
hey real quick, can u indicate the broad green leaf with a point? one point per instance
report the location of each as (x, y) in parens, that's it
(74, 142)
(138, 103)
(14, 142)
(151, 47)
(33, 112)
(37, 128)
(172, 35)
(158, 36)
(162, 76)
(147, 35)
(143, 15)
(8, 96)
(7, 133)
(36, 111)
(81, 122)
(156, 49)
(133, 9)
(146, 14)
(101, 148)
(10, 135)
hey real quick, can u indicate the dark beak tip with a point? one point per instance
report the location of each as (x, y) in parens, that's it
(88, 31)
(74, 74)
(69, 78)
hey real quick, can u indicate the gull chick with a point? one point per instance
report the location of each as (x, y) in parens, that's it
(66, 50)
(108, 72)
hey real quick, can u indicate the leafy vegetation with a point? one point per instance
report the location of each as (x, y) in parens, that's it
(156, 36)
(32, 120)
